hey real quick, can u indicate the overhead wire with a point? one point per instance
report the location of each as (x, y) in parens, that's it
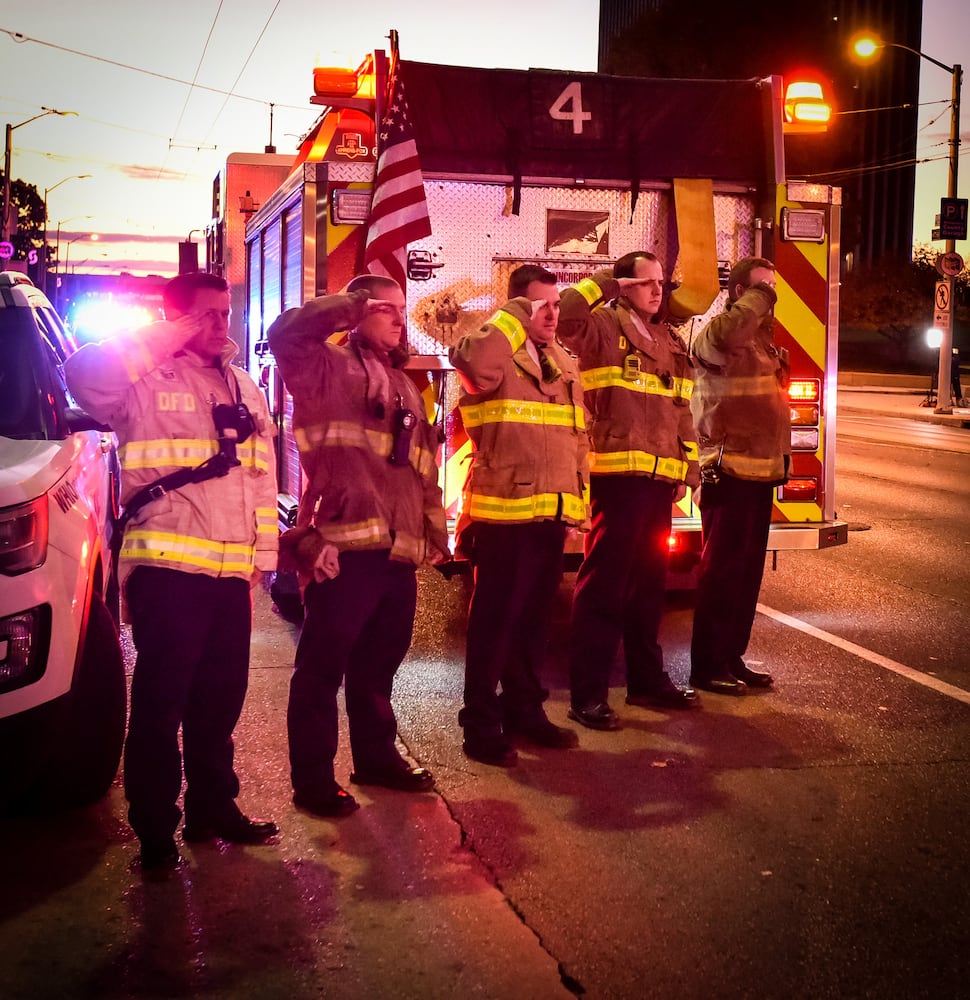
(20, 38)
(245, 64)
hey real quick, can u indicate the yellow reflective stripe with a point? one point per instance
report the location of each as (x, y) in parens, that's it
(693, 452)
(513, 330)
(637, 461)
(266, 520)
(522, 412)
(340, 434)
(425, 461)
(575, 508)
(179, 452)
(373, 531)
(747, 385)
(186, 550)
(307, 438)
(348, 435)
(589, 290)
(754, 468)
(254, 453)
(408, 546)
(488, 508)
(612, 377)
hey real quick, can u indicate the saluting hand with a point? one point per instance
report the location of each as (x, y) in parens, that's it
(626, 283)
(373, 306)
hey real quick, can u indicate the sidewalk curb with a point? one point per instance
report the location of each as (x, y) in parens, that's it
(893, 395)
(923, 414)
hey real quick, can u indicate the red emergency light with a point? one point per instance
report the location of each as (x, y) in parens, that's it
(334, 81)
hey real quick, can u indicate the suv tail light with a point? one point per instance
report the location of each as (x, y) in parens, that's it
(23, 537)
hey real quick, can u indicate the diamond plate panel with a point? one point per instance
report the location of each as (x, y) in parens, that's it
(478, 241)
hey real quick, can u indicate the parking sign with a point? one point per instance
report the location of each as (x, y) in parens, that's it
(953, 218)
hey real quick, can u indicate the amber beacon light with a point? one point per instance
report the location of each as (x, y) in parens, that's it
(806, 109)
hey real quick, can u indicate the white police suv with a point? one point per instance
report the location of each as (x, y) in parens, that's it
(62, 678)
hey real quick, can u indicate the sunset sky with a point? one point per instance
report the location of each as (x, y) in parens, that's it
(150, 86)
(149, 83)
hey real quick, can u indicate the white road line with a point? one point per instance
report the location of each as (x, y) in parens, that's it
(866, 654)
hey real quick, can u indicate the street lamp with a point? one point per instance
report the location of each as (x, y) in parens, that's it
(57, 257)
(83, 236)
(865, 47)
(67, 253)
(47, 191)
(7, 154)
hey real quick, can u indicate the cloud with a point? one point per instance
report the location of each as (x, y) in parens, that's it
(138, 172)
(103, 237)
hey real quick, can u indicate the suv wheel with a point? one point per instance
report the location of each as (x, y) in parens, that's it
(84, 759)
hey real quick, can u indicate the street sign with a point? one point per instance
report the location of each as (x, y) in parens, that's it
(949, 263)
(941, 305)
(6, 250)
(953, 218)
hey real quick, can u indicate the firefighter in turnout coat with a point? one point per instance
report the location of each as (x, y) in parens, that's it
(523, 410)
(199, 492)
(638, 382)
(744, 432)
(370, 515)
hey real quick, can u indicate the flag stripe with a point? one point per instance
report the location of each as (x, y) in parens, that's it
(399, 211)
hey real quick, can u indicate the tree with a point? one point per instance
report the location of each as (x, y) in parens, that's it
(30, 218)
(894, 299)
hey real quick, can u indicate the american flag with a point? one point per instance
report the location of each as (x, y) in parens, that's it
(399, 212)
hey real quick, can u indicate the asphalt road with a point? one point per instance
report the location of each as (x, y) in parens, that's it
(805, 843)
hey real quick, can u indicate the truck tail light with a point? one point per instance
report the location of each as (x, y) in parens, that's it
(802, 490)
(804, 440)
(804, 414)
(805, 390)
(23, 537)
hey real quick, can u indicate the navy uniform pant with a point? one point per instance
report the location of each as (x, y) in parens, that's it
(621, 587)
(518, 569)
(192, 635)
(736, 516)
(357, 631)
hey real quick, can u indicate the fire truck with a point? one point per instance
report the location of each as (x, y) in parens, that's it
(569, 171)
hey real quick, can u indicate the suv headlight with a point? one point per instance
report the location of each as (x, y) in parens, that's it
(23, 537)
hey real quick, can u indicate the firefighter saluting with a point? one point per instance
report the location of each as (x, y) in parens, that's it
(200, 508)
(370, 515)
(744, 430)
(638, 383)
(523, 410)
